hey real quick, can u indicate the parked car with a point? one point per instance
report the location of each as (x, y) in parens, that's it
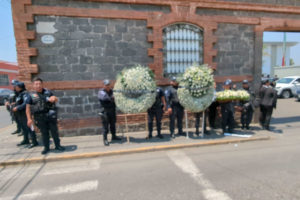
(298, 94)
(4, 95)
(287, 87)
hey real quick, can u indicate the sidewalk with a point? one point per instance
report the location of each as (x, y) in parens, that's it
(92, 146)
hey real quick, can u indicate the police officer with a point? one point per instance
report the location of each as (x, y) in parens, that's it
(197, 123)
(268, 101)
(108, 111)
(41, 104)
(247, 107)
(20, 112)
(156, 111)
(212, 109)
(227, 110)
(9, 106)
(175, 110)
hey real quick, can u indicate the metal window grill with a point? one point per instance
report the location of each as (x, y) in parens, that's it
(4, 80)
(183, 46)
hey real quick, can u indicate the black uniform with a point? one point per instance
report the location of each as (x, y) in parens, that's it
(177, 109)
(197, 122)
(45, 117)
(268, 101)
(227, 110)
(107, 112)
(156, 111)
(212, 112)
(12, 101)
(21, 117)
(247, 110)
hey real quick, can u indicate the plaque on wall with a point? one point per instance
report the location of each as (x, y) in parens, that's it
(48, 39)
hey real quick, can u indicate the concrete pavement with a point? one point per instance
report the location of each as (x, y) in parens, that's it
(92, 146)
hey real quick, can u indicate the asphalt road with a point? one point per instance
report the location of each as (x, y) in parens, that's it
(5, 117)
(263, 170)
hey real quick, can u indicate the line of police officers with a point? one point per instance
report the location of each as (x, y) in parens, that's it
(36, 107)
(169, 101)
(39, 107)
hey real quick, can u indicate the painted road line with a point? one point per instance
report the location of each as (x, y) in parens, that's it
(183, 162)
(66, 189)
(68, 168)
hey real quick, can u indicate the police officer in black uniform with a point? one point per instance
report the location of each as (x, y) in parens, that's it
(268, 101)
(175, 109)
(9, 106)
(157, 111)
(20, 113)
(197, 123)
(107, 111)
(247, 107)
(41, 104)
(227, 110)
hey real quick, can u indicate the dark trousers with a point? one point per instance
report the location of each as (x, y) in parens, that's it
(212, 113)
(197, 121)
(177, 113)
(109, 122)
(45, 125)
(227, 119)
(18, 125)
(22, 120)
(157, 113)
(246, 116)
(265, 115)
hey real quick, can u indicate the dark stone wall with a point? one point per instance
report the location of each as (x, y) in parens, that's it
(90, 49)
(235, 47)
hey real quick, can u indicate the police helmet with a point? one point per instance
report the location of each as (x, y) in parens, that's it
(173, 78)
(21, 85)
(245, 81)
(14, 82)
(228, 82)
(106, 82)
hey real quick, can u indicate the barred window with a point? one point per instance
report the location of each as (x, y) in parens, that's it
(4, 80)
(183, 46)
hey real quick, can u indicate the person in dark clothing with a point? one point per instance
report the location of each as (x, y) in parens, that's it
(157, 111)
(41, 104)
(107, 111)
(20, 113)
(197, 123)
(268, 101)
(9, 107)
(227, 110)
(247, 107)
(212, 110)
(175, 109)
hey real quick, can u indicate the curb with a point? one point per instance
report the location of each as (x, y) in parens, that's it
(127, 151)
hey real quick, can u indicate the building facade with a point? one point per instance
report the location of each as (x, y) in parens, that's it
(74, 44)
(8, 72)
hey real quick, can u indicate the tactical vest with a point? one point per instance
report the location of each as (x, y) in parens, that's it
(158, 102)
(174, 97)
(39, 104)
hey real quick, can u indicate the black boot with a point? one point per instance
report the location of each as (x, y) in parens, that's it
(34, 144)
(23, 143)
(149, 136)
(105, 142)
(45, 151)
(59, 148)
(114, 137)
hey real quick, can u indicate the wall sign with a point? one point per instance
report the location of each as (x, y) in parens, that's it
(48, 39)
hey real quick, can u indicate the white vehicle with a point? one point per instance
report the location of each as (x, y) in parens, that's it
(287, 87)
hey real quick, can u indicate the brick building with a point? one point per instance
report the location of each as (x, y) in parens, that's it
(8, 72)
(73, 44)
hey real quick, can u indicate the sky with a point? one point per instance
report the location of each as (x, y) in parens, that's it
(8, 43)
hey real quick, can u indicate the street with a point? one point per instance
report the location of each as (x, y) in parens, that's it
(256, 170)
